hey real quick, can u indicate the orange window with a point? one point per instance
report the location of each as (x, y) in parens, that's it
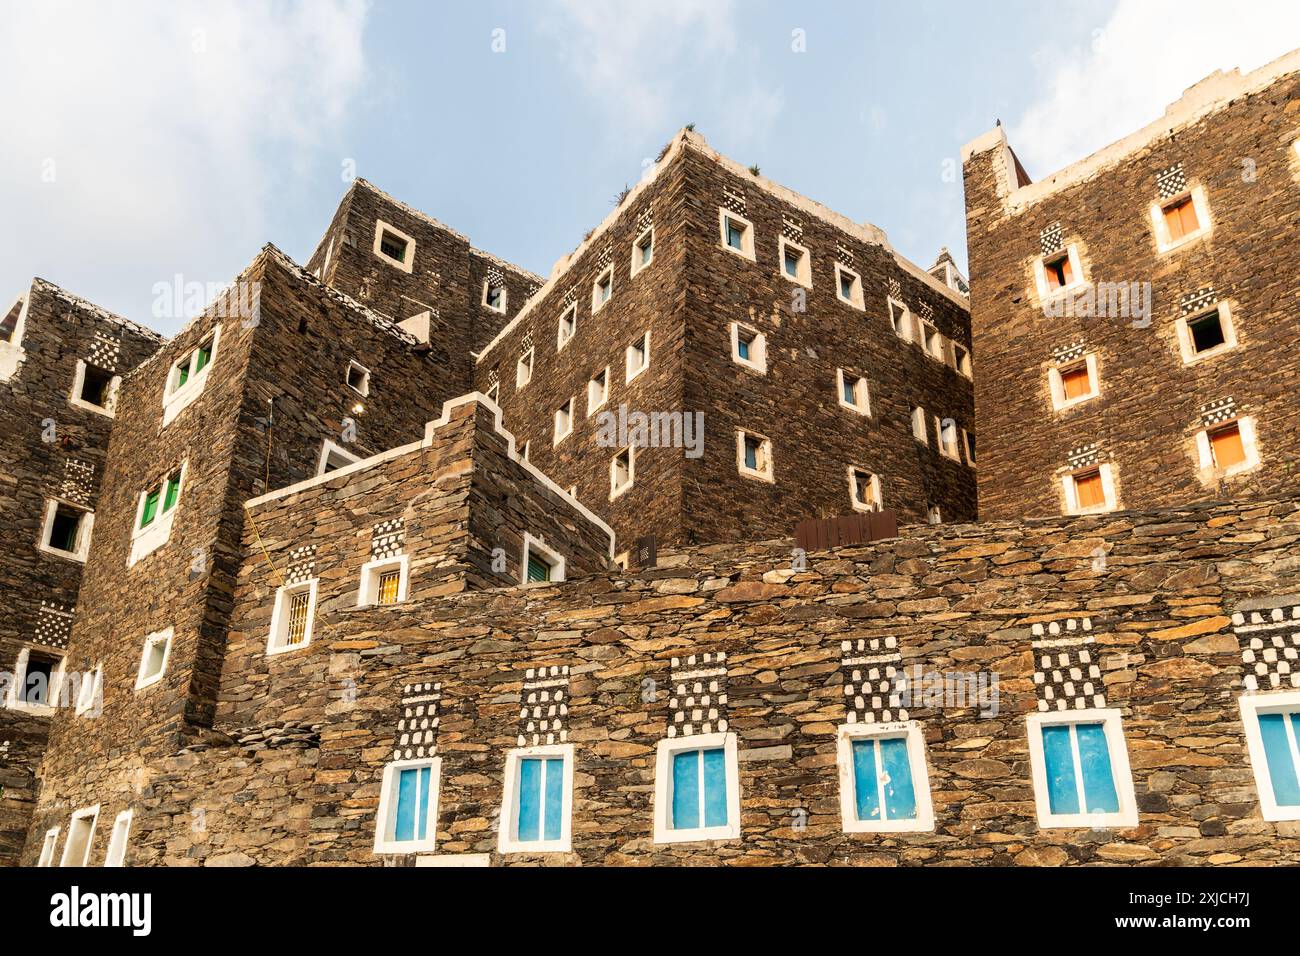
(1059, 273)
(1181, 219)
(1087, 487)
(1076, 381)
(1227, 447)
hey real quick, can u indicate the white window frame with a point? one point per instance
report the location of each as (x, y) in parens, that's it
(115, 856)
(596, 302)
(177, 398)
(524, 370)
(85, 812)
(385, 844)
(368, 586)
(861, 392)
(487, 287)
(85, 527)
(1252, 705)
(279, 631)
(909, 731)
(934, 514)
(1056, 383)
(593, 407)
(966, 447)
(855, 298)
(1113, 725)
(746, 250)
(11, 352)
(561, 340)
(1107, 488)
(1200, 203)
(803, 270)
(951, 450)
(628, 373)
(905, 323)
(146, 540)
(110, 400)
(1045, 291)
(508, 833)
(663, 799)
(920, 429)
(18, 689)
(930, 334)
(89, 692)
(614, 489)
(354, 365)
(49, 843)
(559, 435)
(766, 470)
(962, 361)
(330, 449)
(493, 393)
(407, 263)
(1186, 344)
(874, 500)
(164, 637)
(1205, 451)
(552, 557)
(636, 247)
(757, 347)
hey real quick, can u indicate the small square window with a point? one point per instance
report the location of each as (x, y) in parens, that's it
(1180, 220)
(94, 389)
(117, 840)
(384, 581)
(919, 431)
(697, 789)
(1090, 491)
(754, 456)
(853, 392)
(748, 347)
(900, 319)
(622, 472)
(1081, 770)
(848, 286)
(598, 390)
(1272, 723)
(358, 378)
(1059, 272)
(638, 357)
(524, 369)
(602, 290)
(90, 692)
(933, 341)
(153, 659)
(539, 564)
(1076, 382)
(36, 679)
(864, 490)
(961, 356)
(494, 296)
(567, 328)
(1206, 334)
(66, 530)
(407, 821)
(1226, 445)
(563, 422)
(1227, 449)
(737, 233)
(946, 431)
(884, 786)
(1073, 383)
(394, 246)
(292, 617)
(933, 514)
(643, 250)
(537, 807)
(796, 264)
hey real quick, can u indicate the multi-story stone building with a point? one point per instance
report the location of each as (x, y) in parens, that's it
(1139, 307)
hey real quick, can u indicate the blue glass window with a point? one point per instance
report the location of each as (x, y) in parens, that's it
(850, 391)
(742, 347)
(699, 789)
(882, 779)
(1279, 733)
(1076, 759)
(792, 264)
(846, 286)
(541, 798)
(411, 815)
(735, 235)
(751, 454)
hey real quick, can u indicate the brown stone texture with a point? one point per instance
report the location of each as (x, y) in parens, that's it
(1146, 417)
(302, 786)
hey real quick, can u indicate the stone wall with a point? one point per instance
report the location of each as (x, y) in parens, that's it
(1158, 591)
(1232, 137)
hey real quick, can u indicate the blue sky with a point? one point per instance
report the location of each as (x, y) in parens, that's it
(149, 140)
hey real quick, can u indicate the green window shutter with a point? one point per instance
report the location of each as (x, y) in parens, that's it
(183, 373)
(150, 507)
(538, 570)
(204, 357)
(173, 492)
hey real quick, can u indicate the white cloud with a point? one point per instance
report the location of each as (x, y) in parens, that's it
(168, 127)
(1137, 63)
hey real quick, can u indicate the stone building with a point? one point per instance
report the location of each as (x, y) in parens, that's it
(1140, 308)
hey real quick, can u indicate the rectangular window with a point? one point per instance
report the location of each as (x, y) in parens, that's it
(538, 800)
(737, 233)
(884, 785)
(848, 286)
(568, 326)
(64, 528)
(919, 427)
(796, 264)
(1180, 218)
(37, 678)
(1272, 724)
(333, 457)
(1089, 489)
(494, 296)
(933, 341)
(853, 392)
(901, 319)
(563, 422)
(598, 390)
(81, 834)
(116, 855)
(754, 456)
(969, 439)
(748, 347)
(1076, 382)
(494, 393)
(1226, 446)
(933, 514)
(1073, 383)
(539, 564)
(48, 846)
(946, 430)
(638, 357)
(292, 617)
(407, 821)
(602, 289)
(1081, 770)
(188, 370)
(90, 694)
(153, 659)
(1059, 272)
(524, 369)
(94, 387)
(388, 584)
(394, 246)
(962, 357)
(384, 581)
(697, 791)
(864, 490)
(643, 250)
(358, 378)
(622, 472)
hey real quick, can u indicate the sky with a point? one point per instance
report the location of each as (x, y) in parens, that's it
(149, 144)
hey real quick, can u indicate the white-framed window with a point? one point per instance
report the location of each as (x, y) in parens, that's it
(623, 560)
(848, 286)
(1080, 769)
(961, 359)
(394, 246)
(94, 389)
(1090, 490)
(407, 821)
(597, 390)
(968, 442)
(796, 263)
(1074, 383)
(155, 512)
(622, 471)
(186, 378)
(1181, 219)
(293, 616)
(1272, 724)
(539, 564)
(697, 789)
(493, 393)
(333, 457)
(153, 658)
(900, 319)
(638, 357)
(884, 783)
(1227, 449)
(736, 233)
(932, 341)
(13, 325)
(643, 250)
(524, 368)
(384, 581)
(48, 845)
(748, 347)
(563, 422)
(567, 327)
(494, 296)
(1058, 273)
(1206, 334)
(90, 693)
(537, 805)
(117, 840)
(66, 530)
(81, 834)
(602, 290)
(945, 430)
(864, 489)
(852, 391)
(933, 514)
(38, 679)
(754, 456)
(919, 427)
(358, 378)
